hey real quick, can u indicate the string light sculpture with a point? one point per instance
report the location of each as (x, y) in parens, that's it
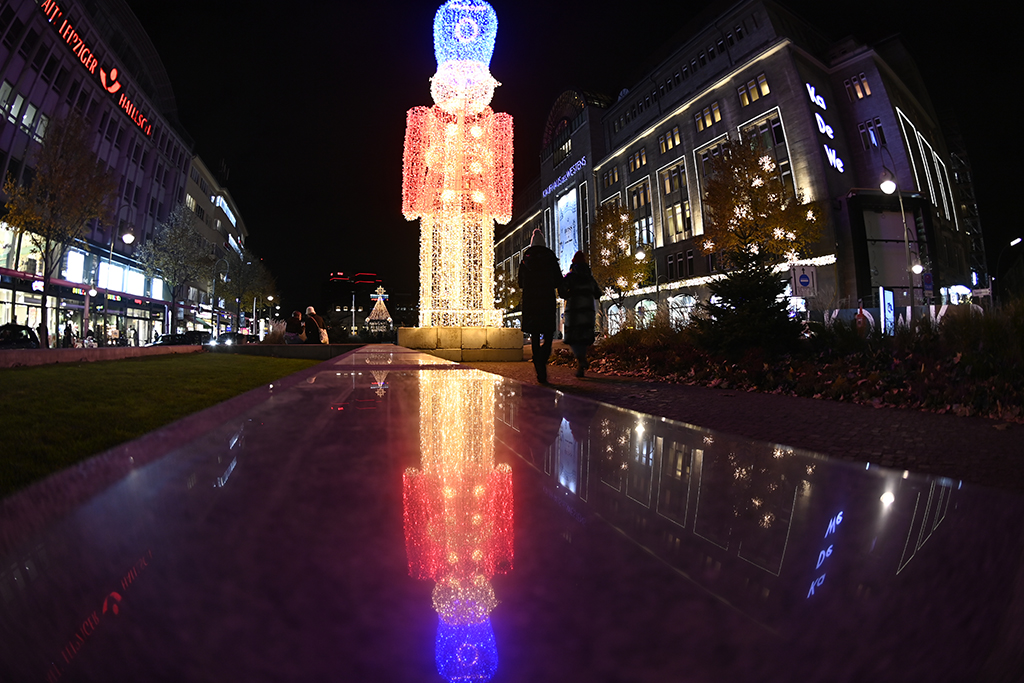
(458, 517)
(379, 319)
(457, 171)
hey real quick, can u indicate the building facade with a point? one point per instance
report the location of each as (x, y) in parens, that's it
(835, 117)
(219, 222)
(94, 60)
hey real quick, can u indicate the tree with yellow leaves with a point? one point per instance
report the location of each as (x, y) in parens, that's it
(755, 222)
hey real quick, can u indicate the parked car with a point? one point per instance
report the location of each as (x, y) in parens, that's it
(230, 338)
(14, 336)
(187, 338)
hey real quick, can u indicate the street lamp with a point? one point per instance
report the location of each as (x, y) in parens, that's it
(213, 293)
(128, 238)
(888, 186)
(1014, 242)
(640, 256)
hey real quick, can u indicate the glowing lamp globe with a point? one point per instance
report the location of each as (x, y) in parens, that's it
(888, 184)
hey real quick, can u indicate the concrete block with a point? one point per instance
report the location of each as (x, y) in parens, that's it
(447, 354)
(474, 337)
(493, 355)
(417, 337)
(504, 338)
(449, 337)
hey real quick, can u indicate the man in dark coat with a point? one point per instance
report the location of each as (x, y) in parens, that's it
(539, 277)
(580, 291)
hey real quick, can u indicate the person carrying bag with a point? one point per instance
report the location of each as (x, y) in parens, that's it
(316, 332)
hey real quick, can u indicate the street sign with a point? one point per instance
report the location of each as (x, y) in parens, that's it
(981, 292)
(804, 281)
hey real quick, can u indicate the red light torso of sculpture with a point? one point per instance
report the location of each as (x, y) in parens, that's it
(458, 181)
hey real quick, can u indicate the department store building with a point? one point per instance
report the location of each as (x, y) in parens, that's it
(835, 116)
(92, 59)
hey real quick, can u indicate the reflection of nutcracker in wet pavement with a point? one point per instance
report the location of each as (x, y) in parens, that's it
(458, 171)
(458, 517)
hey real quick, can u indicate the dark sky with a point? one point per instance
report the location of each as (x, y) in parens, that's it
(306, 102)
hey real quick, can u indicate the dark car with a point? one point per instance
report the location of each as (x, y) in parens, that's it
(185, 339)
(231, 338)
(14, 336)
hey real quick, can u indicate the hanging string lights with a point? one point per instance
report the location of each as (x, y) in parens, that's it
(457, 171)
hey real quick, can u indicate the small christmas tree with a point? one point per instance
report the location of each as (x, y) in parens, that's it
(379, 319)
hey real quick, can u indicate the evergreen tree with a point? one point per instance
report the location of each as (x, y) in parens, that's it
(755, 223)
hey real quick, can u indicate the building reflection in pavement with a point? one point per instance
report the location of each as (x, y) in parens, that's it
(763, 527)
(458, 517)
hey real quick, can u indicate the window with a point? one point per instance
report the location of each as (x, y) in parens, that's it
(702, 58)
(28, 45)
(739, 32)
(857, 87)
(638, 159)
(640, 203)
(711, 52)
(669, 140)
(731, 40)
(676, 219)
(708, 116)
(190, 202)
(50, 69)
(689, 261)
(5, 94)
(753, 90)
(721, 46)
(871, 134)
(40, 133)
(771, 137)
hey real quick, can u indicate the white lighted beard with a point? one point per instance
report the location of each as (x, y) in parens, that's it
(464, 87)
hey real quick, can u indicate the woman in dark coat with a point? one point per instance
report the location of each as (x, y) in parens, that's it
(580, 291)
(539, 277)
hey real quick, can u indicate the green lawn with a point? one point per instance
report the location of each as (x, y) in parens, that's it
(52, 416)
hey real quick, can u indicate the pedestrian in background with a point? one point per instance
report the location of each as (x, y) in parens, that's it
(581, 292)
(293, 330)
(316, 331)
(539, 278)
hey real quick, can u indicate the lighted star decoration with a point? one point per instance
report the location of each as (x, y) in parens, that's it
(457, 177)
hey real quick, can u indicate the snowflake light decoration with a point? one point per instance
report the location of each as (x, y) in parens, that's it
(457, 171)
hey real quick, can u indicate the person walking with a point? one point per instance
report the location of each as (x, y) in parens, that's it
(539, 278)
(581, 292)
(316, 331)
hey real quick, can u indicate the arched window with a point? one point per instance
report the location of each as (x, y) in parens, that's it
(645, 310)
(616, 319)
(679, 310)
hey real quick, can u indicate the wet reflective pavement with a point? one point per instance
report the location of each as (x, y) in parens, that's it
(388, 516)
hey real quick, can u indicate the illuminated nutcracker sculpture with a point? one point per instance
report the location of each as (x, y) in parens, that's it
(458, 518)
(458, 171)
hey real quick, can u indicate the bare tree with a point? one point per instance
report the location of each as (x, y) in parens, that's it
(71, 188)
(176, 253)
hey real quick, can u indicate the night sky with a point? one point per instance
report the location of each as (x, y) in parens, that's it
(305, 103)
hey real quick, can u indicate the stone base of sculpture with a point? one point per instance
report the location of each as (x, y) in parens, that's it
(465, 343)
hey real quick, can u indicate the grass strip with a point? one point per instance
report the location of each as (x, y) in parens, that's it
(53, 416)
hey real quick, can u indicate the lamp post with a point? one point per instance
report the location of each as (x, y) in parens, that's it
(640, 256)
(213, 293)
(888, 186)
(1014, 242)
(128, 238)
